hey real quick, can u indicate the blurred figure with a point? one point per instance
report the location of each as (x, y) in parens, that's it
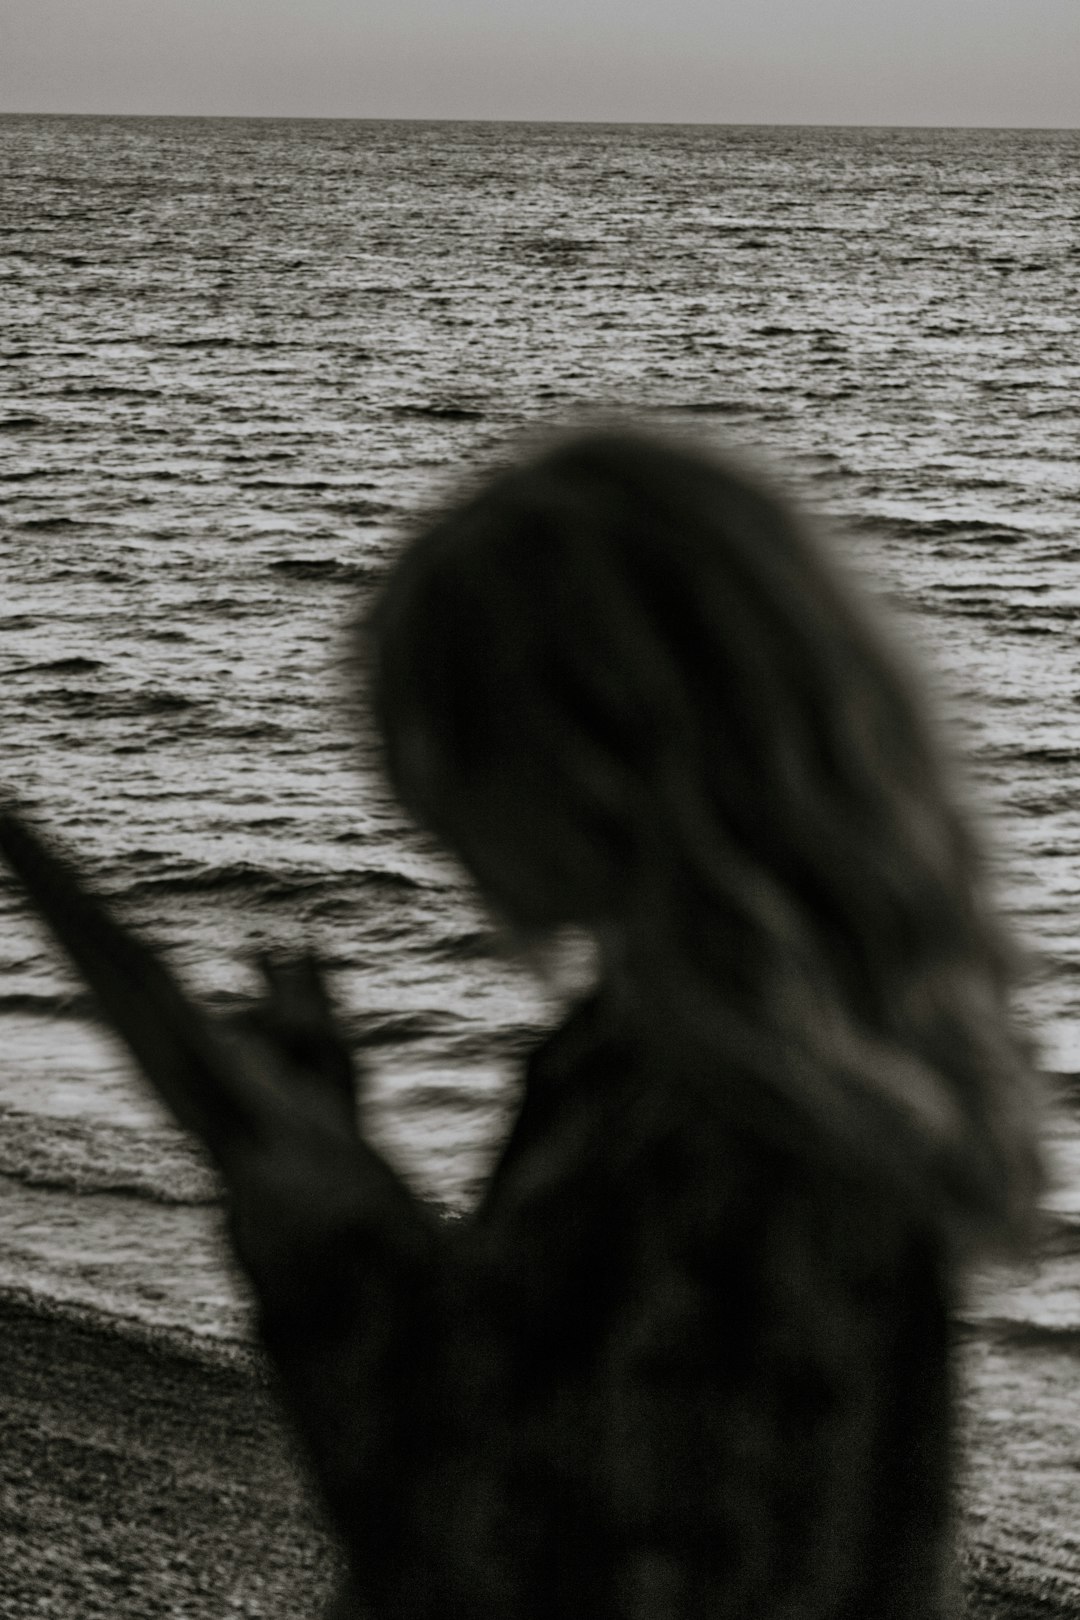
(690, 1358)
(691, 1355)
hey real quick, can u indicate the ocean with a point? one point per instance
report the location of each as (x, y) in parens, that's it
(238, 354)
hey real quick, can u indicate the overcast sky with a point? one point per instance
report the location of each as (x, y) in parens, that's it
(988, 62)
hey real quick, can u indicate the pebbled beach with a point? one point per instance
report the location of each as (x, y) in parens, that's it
(145, 1474)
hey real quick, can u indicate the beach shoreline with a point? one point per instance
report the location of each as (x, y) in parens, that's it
(1019, 1498)
(148, 1472)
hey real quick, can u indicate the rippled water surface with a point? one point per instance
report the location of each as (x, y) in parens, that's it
(237, 354)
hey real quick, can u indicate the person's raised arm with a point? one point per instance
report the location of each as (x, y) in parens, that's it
(337, 1249)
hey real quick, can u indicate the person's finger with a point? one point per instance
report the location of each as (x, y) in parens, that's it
(173, 1042)
(299, 1015)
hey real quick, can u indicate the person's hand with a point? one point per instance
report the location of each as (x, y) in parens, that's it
(303, 1175)
(337, 1248)
(271, 1096)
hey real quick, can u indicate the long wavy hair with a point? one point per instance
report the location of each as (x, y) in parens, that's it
(625, 684)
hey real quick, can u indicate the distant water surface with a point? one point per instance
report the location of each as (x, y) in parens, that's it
(238, 353)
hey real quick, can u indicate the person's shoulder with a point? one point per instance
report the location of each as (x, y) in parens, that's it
(627, 1110)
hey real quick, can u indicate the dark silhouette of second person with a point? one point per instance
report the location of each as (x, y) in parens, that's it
(690, 1357)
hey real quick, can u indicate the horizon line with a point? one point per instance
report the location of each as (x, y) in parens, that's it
(631, 123)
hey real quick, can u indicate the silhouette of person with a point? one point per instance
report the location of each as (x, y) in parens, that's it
(690, 1356)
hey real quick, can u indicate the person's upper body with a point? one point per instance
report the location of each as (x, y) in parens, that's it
(690, 1356)
(667, 1370)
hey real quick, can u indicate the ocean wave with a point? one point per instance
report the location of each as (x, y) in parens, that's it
(109, 391)
(510, 1045)
(233, 875)
(359, 506)
(446, 413)
(1021, 1332)
(445, 1097)
(478, 945)
(86, 1179)
(401, 1029)
(1061, 1238)
(1021, 619)
(76, 1004)
(232, 607)
(118, 705)
(91, 1156)
(709, 407)
(324, 568)
(247, 457)
(976, 531)
(220, 1345)
(223, 341)
(1048, 756)
(251, 731)
(452, 1039)
(267, 883)
(388, 878)
(552, 246)
(68, 666)
(282, 482)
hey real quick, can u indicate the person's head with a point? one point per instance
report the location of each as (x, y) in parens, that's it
(626, 686)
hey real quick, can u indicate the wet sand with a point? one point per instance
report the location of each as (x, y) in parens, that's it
(143, 1475)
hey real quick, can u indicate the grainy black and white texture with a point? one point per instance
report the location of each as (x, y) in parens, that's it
(237, 353)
